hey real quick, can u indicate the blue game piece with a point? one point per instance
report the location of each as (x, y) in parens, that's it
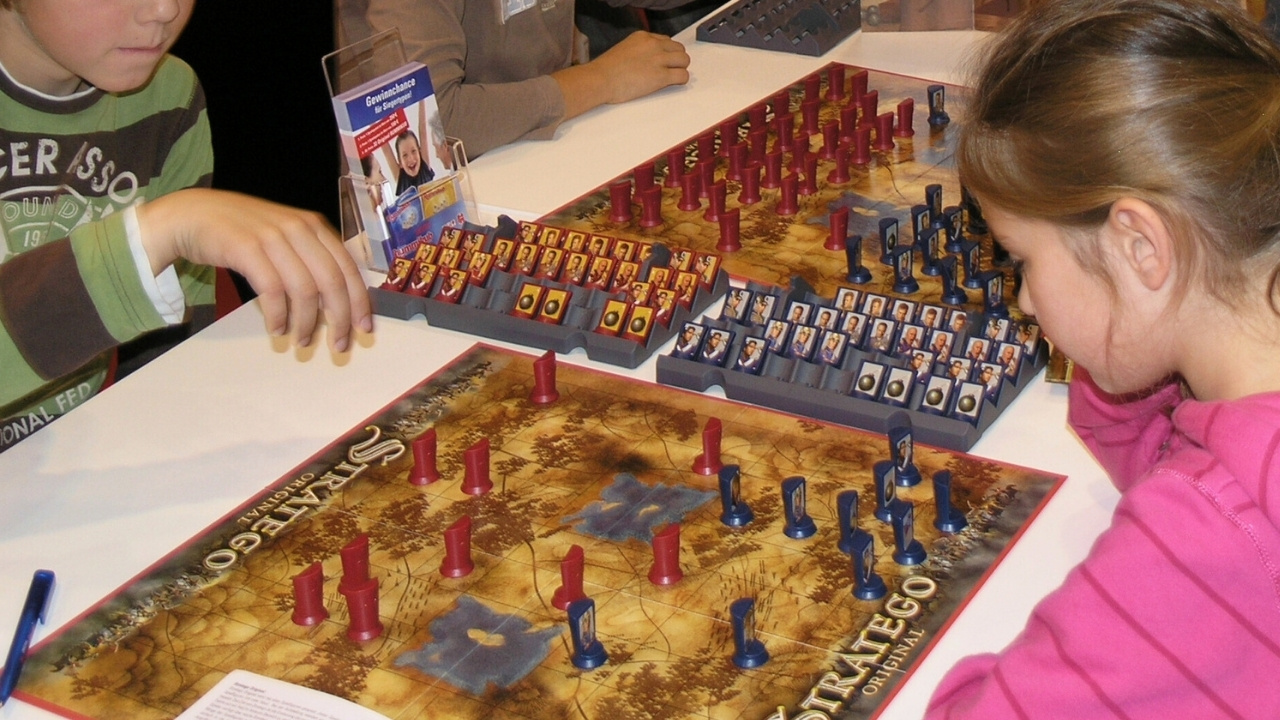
(951, 292)
(908, 550)
(888, 239)
(948, 518)
(736, 513)
(971, 255)
(867, 585)
(858, 273)
(902, 451)
(993, 294)
(955, 228)
(938, 117)
(798, 523)
(886, 489)
(929, 251)
(748, 651)
(904, 279)
(847, 511)
(588, 652)
(920, 222)
(933, 198)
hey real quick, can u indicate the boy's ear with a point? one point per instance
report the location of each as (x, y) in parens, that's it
(1142, 240)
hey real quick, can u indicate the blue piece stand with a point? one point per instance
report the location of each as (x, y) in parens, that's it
(798, 523)
(588, 652)
(748, 651)
(735, 512)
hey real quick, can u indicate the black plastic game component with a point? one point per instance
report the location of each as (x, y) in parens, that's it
(801, 27)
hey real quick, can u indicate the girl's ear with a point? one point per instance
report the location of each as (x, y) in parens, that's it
(1141, 240)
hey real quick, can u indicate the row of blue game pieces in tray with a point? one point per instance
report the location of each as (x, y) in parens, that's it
(953, 370)
(617, 324)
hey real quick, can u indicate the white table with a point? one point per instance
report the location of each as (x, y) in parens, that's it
(135, 472)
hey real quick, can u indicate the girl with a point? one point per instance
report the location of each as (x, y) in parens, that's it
(1127, 154)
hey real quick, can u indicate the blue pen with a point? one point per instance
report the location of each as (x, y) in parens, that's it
(33, 611)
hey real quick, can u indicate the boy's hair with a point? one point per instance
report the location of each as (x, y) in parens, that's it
(1174, 102)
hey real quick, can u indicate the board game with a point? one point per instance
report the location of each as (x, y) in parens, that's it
(454, 612)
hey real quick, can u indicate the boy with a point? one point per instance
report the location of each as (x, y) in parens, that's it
(106, 224)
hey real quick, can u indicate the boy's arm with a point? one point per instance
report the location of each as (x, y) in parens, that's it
(1126, 436)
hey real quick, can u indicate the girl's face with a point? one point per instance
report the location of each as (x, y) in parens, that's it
(1077, 310)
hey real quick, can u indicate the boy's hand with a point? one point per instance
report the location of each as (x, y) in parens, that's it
(642, 63)
(292, 258)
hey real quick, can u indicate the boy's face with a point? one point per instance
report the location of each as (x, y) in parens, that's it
(410, 158)
(115, 45)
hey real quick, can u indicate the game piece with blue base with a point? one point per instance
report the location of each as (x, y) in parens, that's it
(588, 652)
(748, 651)
(735, 513)
(798, 523)
(949, 519)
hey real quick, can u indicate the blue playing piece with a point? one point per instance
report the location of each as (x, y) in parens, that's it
(798, 523)
(938, 116)
(847, 511)
(904, 278)
(748, 651)
(908, 550)
(951, 292)
(933, 239)
(886, 489)
(993, 294)
(588, 653)
(902, 451)
(933, 198)
(858, 273)
(948, 518)
(888, 239)
(971, 255)
(735, 511)
(867, 585)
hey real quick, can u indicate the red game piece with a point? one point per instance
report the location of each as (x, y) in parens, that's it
(906, 119)
(362, 607)
(809, 115)
(812, 84)
(870, 105)
(719, 192)
(666, 556)
(830, 140)
(750, 194)
(424, 470)
(841, 172)
(707, 168)
(475, 480)
(737, 160)
(758, 146)
(707, 146)
(772, 170)
(839, 229)
(730, 227)
(355, 563)
(689, 191)
(651, 207)
(884, 132)
(675, 167)
(570, 588)
(848, 121)
(457, 549)
(835, 83)
(810, 184)
(643, 176)
(308, 596)
(620, 201)
(861, 146)
(728, 135)
(755, 116)
(786, 132)
(781, 103)
(858, 86)
(544, 380)
(787, 202)
(708, 463)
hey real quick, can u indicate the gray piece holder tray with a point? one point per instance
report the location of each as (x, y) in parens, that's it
(822, 392)
(485, 311)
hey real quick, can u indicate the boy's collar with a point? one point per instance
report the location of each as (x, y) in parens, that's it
(43, 101)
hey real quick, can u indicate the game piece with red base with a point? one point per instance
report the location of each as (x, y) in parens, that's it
(750, 194)
(861, 146)
(858, 273)
(612, 317)
(840, 174)
(544, 380)
(902, 450)
(708, 463)
(719, 193)
(756, 115)
(554, 306)
(809, 116)
(835, 83)
(788, 201)
(867, 585)
(786, 133)
(886, 489)
(730, 227)
(457, 549)
(707, 146)
(858, 83)
(884, 132)
(847, 514)
(830, 141)
(620, 201)
(839, 221)
(362, 608)
(643, 175)
(528, 300)
(812, 84)
(355, 563)
(424, 470)
(758, 146)
(690, 190)
(399, 274)
(748, 651)
(639, 324)
(848, 122)
(947, 517)
(651, 207)
(772, 171)
(308, 596)
(908, 550)
(869, 106)
(588, 652)
(570, 589)
(810, 184)
(707, 168)
(475, 480)
(666, 556)
(938, 116)
(735, 512)
(798, 524)
(737, 160)
(906, 119)
(675, 167)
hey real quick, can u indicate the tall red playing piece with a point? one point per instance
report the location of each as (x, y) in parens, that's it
(788, 204)
(570, 589)
(457, 549)
(884, 132)
(666, 556)
(355, 563)
(362, 606)
(424, 470)
(719, 193)
(308, 596)
(708, 463)
(906, 119)
(643, 175)
(544, 380)
(651, 207)
(620, 201)
(475, 480)
(839, 229)
(730, 231)
(675, 167)
(750, 194)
